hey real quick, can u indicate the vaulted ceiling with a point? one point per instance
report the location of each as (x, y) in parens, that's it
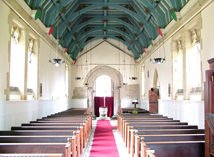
(78, 22)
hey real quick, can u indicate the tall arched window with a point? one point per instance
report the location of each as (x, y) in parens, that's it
(32, 70)
(196, 61)
(178, 70)
(195, 93)
(17, 55)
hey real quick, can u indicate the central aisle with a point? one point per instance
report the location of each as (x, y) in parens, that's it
(104, 143)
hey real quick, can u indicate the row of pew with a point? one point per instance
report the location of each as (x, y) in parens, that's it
(63, 134)
(144, 132)
(130, 110)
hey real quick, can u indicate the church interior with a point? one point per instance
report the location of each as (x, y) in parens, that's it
(107, 78)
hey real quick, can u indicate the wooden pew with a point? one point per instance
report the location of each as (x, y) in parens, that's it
(81, 134)
(85, 132)
(33, 139)
(143, 149)
(51, 130)
(166, 131)
(127, 133)
(170, 131)
(130, 110)
(37, 132)
(170, 139)
(175, 149)
(149, 125)
(60, 148)
(131, 132)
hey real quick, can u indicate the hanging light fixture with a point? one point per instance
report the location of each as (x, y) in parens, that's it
(133, 78)
(124, 61)
(78, 78)
(57, 61)
(86, 61)
(159, 59)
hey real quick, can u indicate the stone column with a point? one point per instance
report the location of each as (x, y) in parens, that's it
(176, 48)
(24, 43)
(91, 100)
(24, 97)
(187, 46)
(116, 101)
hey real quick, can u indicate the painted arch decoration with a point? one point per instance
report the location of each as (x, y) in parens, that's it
(134, 22)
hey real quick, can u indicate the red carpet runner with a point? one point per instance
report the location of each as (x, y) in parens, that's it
(104, 143)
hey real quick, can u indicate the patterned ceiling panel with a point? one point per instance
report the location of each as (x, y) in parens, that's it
(132, 22)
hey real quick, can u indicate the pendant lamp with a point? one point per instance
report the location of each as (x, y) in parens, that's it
(78, 78)
(159, 59)
(57, 61)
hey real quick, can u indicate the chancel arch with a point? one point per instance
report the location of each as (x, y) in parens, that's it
(116, 78)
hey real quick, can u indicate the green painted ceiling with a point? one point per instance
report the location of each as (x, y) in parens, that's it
(80, 22)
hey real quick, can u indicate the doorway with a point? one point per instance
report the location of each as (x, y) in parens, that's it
(104, 95)
(154, 94)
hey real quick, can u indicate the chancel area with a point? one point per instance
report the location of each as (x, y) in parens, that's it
(107, 78)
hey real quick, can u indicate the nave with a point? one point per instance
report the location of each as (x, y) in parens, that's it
(132, 135)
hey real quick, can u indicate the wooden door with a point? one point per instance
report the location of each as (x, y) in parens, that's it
(153, 102)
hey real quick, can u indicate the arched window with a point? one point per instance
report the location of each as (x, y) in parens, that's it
(196, 61)
(32, 70)
(195, 93)
(17, 53)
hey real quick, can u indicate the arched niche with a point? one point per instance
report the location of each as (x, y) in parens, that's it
(156, 83)
(116, 78)
(155, 79)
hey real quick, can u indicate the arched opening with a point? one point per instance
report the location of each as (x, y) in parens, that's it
(116, 78)
(103, 95)
(156, 83)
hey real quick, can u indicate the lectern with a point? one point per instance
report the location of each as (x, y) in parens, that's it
(135, 102)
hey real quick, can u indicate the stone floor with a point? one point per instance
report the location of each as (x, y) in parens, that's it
(120, 145)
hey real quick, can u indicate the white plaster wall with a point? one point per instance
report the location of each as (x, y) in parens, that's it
(164, 71)
(78, 103)
(51, 77)
(5, 46)
(183, 110)
(207, 36)
(144, 104)
(14, 113)
(127, 103)
(104, 54)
